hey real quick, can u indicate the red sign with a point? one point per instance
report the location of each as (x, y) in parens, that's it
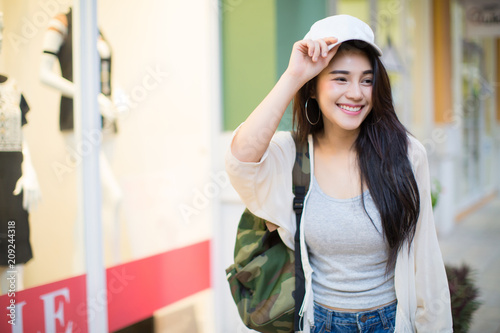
(134, 291)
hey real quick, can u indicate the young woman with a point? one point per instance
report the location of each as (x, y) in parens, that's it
(371, 257)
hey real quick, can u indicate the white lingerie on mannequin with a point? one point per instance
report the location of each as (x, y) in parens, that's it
(111, 194)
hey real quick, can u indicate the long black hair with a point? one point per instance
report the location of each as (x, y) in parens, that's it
(382, 153)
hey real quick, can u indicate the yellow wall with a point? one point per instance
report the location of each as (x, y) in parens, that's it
(357, 8)
(421, 71)
(443, 103)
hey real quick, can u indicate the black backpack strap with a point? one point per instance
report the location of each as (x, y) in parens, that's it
(301, 175)
(302, 167)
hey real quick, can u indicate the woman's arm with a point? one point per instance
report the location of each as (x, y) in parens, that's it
(265, 187)
(307, 60)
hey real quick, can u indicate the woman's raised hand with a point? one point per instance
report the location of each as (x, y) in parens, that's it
(310, 57)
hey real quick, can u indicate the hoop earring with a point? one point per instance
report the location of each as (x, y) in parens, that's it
(307, 116)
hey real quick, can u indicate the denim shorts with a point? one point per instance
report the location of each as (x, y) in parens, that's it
(373, 321)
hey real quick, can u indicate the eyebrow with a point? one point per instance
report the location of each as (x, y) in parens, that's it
(369, 71)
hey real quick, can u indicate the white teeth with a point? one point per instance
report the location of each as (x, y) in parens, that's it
(351, 109)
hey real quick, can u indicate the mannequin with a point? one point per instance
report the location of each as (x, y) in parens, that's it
(57, 47)
(19, 189)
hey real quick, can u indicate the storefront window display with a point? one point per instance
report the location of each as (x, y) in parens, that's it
(19, 187)
(471, 81)
(154, 174)
(478, 121)
(475, 72)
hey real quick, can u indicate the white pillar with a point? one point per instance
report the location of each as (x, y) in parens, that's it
(88, 122)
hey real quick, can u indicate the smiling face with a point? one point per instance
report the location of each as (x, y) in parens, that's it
(344, 91)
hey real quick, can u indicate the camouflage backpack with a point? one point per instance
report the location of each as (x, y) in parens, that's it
(267, 279)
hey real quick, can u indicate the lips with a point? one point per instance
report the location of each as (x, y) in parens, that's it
(351, 109)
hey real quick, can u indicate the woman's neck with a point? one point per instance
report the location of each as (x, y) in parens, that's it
(337, 140)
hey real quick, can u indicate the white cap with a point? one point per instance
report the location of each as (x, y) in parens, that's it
(344, 27)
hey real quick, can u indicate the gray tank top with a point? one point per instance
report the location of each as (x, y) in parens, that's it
(347, 252)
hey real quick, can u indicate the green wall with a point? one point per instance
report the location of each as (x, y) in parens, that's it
(249, 57)
(294, 18)
(257, 38)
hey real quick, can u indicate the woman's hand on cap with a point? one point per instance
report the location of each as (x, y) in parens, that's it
(310, 57)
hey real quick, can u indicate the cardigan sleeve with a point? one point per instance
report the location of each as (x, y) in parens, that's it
(265, 187)
(433, 313)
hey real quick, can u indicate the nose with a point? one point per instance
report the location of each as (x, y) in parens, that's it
(354, 91)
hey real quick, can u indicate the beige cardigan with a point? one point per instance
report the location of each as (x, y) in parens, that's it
(420, 278)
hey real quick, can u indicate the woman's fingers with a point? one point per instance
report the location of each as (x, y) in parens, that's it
(324, 47)
(311, 56)
(330, 40)
(319, 48)
(313, 49)
(317, 51)
(331, 53)
(310, 47)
